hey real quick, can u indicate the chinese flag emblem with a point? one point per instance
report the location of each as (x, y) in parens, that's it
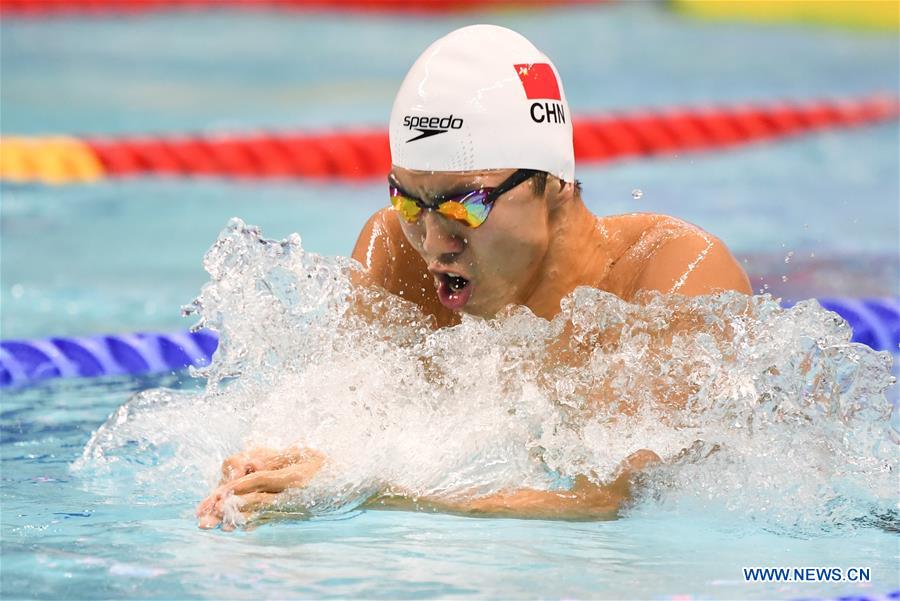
(538, 80)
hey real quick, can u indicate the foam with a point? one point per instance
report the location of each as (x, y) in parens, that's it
(781, 420)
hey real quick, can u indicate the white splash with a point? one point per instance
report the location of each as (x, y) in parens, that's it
(767, 413)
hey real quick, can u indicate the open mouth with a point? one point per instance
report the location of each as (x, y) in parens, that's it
(453, 290)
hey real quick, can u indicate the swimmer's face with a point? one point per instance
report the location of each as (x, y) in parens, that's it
(479, 270)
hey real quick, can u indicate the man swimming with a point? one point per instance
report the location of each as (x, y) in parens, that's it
(485, 212)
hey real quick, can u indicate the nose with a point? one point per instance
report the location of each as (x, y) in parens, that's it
(438, 238)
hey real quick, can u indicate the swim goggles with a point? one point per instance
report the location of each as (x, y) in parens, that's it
(471, 208)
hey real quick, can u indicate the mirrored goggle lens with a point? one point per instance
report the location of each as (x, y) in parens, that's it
(475, 206)
(471, 209)
(407, 207)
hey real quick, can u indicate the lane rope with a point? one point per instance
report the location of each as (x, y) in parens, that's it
(365, 153)
(45, 8)
(51, 160)
(875, 322)
(872, 15)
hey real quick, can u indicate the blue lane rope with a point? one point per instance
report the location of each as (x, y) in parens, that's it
(27, 361)
(875, 322)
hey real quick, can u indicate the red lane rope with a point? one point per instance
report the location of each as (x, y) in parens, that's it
(97, 7)
(674, 130)
(365, 153)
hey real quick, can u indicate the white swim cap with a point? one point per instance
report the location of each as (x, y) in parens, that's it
(482, 97)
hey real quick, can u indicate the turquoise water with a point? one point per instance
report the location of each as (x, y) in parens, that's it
(86, 544)
(124, 255)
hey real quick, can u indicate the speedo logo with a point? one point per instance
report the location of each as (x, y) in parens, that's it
(431, 126)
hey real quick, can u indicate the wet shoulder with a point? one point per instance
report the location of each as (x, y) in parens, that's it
(660, 252)
(377, 245)
(389, 261)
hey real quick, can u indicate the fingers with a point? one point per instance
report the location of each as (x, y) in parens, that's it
(231, 468)
(208, 516)
(205, 506)
(271, 481)
(208, 521)
(292, 456)
(234, 510)
(247, 462)
(259, 459)
(275, 481)
(209, 503)
(255, 501)
(252, 479)
(249, 493)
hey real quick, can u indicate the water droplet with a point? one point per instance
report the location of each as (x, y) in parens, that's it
(812, 255)
(787, 258)
(637, 193)
(784, 278)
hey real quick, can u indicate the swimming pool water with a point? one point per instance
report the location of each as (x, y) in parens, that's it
(124, 255)
(67, 536)
(176, 73)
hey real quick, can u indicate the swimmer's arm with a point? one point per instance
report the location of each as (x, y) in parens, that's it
(259, 490)
(586, 500)
(693, 264)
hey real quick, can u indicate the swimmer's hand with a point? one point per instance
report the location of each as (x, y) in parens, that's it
(251, 480)
(586, 500)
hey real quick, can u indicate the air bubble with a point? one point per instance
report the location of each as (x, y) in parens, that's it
(637, 193)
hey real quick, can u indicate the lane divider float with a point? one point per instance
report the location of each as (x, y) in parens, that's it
(43, 8)
(51, 160)
(872, 15)
(875, 322)
(365, 153)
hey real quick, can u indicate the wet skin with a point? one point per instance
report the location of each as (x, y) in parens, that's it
(533, 250)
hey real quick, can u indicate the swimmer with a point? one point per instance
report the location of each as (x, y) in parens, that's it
(485, 212)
